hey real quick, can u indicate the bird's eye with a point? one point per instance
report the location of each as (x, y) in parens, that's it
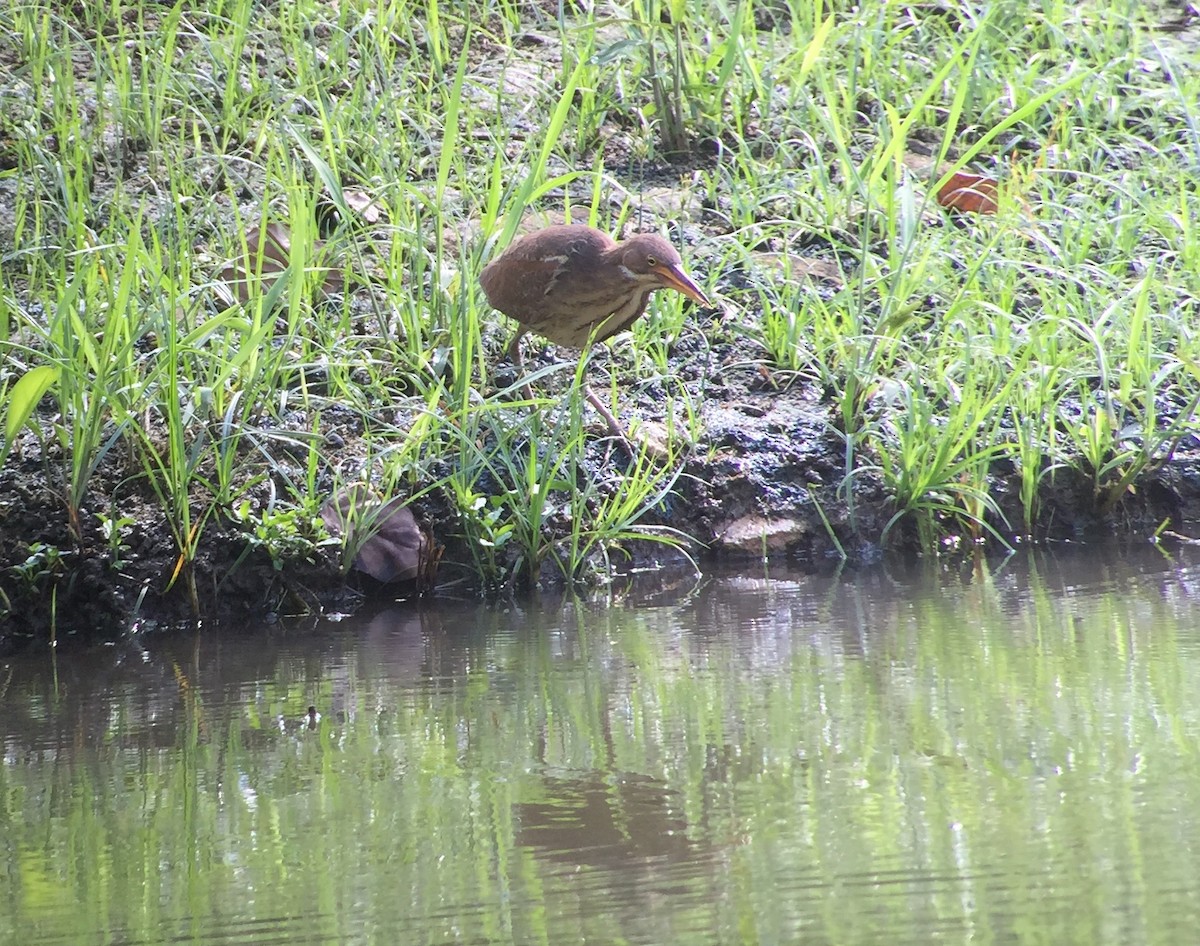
(651, 261)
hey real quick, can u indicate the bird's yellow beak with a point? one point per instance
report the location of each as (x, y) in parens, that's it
(676, 278)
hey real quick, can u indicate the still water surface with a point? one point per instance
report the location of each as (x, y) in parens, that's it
(1007, 754)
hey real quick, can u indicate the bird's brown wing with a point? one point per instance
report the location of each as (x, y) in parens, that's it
(516, 284)
(550, 282)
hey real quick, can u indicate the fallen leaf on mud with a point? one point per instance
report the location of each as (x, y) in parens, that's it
(657, 439)
(669, 203)
(793, 267)
(391, 546)
(470, 231)
(362, 204)
(536, 219)
(917, 162)
(268, 255)
(970, 193)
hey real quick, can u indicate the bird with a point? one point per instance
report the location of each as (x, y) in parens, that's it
(575, 285)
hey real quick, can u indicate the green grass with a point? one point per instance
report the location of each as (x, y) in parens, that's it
(142, 143)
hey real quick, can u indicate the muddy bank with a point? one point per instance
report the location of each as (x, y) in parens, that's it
(766, 476)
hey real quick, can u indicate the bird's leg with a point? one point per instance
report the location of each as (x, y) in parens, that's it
(614, 425)
(514, 355)
(514, 348)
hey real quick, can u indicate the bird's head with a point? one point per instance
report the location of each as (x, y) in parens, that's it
(653, 261)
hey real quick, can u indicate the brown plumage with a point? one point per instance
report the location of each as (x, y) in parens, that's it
(573, 283)
(564, 282)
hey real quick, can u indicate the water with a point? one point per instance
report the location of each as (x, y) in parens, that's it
(1002, 754)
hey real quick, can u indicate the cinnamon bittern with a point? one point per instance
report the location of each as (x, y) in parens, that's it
(571, 284)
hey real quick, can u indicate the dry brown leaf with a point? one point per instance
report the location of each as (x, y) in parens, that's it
(362, 204)
(537, 219)
(790, 265)
(657, 439)
(970, 193)
(268, 253)
(917, 162)
(396, 548)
